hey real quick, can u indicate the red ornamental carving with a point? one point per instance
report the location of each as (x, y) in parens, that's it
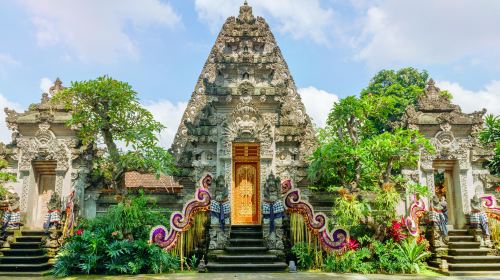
(182, 221)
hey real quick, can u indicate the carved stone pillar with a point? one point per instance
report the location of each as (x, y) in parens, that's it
(25, 177)
(59, 182)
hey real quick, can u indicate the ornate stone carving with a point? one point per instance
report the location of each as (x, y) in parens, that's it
(273, 212)
(252, 98)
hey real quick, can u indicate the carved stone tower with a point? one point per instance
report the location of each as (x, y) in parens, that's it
(245, 108)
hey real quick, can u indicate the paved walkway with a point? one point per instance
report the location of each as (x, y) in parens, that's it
(262, 276)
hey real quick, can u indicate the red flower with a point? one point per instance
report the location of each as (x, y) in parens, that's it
(396, 225)
(395, 232)
(498, 189)
(351, 244)
(79, 232)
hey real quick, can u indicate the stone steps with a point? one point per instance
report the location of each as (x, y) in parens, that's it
(474, 267)
(247, 267)
(464, 245)
(246, 242)
(473, 273)
(25, 257)
(461, 238)
(467, 258)
(468, 252)
(246, 253)
(267, 258)
(473, 259)
(246, 250)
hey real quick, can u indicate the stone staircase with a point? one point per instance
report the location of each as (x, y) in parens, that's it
(25, 257)
(466, 258)
(246, 253)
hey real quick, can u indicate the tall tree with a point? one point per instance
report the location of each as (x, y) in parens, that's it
(490, 135)
(107, 112)
(364, 147)
(399, 89)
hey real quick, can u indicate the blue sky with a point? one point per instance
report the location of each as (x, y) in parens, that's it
(332, 47)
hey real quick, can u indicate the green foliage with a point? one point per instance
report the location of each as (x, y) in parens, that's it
(418, 189)
(388, 259)
(399, 89)
(364, 147)
(408, 256)
(353, 261)
(348, 210)
(413, 254)
(304, 255)
(108, 111)
(116, 243)
(490, 135)
(5, 177)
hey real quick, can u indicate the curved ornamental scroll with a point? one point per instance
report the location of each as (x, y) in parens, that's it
(182, 221)
(316, 222)
(492, 210)
(417, 210)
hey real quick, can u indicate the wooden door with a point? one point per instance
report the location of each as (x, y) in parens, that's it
(245, 195)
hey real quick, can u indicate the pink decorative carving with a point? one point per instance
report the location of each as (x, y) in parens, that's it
(182, 221)
(315, 222)
(490, 203)
(417, 210)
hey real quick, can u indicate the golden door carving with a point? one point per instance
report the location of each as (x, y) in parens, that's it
(245, 193)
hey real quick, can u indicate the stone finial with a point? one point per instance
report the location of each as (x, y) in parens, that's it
(431, 90)
(246, 14)
(56, 87)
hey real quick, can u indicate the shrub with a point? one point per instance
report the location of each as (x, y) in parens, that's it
(304, 255)
(350, 261)
(116, 243)
(413, 254)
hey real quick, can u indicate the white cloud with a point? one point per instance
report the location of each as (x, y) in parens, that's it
(318, 103)
(300, 18)
(6, 60)
(45, 84)
(395, 32)
(469, 100)
(169, 114)
(5, 133)
(94, 30)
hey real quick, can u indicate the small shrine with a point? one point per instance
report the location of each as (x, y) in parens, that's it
(47, 158)
(455, 172)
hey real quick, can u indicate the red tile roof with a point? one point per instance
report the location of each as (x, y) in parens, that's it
(134, 179)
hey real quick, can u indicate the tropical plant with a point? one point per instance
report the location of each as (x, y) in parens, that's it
(353, 261)
(364, 147)
(5, 177)
(413, 254)
(304, 255)
(490, 135)
(116, 243)
(107, 111)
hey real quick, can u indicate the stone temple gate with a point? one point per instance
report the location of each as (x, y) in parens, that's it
(46, 156)
(455, 172)
(245, 119)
